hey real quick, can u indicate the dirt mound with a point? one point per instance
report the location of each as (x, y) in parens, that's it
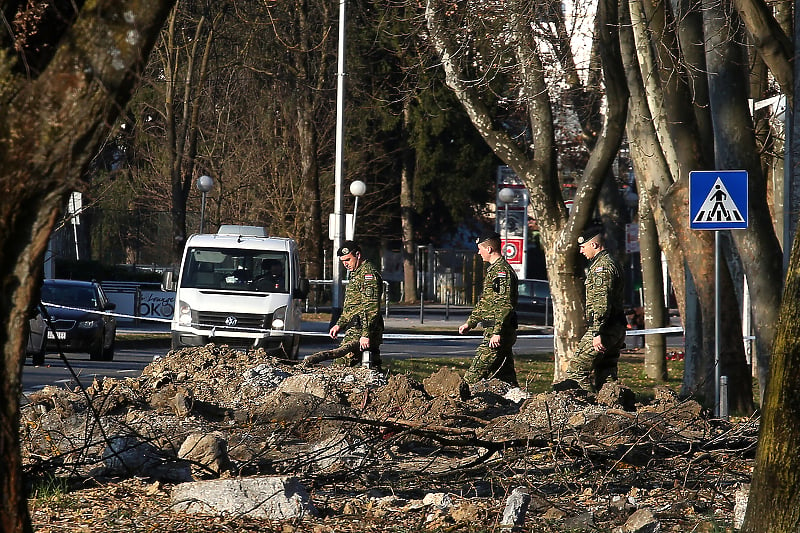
(368, 447)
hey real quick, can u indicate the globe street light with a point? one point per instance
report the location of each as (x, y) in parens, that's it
(204, 184)
(357, 189)
(506, 195)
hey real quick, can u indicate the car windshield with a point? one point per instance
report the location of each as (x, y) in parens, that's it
(69, 296)
(534, 288)
(235, 269)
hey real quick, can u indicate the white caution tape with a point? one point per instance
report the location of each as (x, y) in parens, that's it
(404, 336)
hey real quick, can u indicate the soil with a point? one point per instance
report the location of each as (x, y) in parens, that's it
(409, 456)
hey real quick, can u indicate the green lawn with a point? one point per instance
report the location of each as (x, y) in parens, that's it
(535, 371)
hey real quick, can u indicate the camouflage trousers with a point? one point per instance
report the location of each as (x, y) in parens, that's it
(493, 362)
(355, 357)
(588, 362)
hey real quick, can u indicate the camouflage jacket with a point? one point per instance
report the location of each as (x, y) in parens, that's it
(495, 309)
(604, 295)
(361, 310)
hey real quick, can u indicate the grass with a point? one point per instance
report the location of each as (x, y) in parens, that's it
(51, 489)
(535, 371)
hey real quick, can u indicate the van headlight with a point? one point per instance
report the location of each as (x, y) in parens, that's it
(279, 318)
(184, 314)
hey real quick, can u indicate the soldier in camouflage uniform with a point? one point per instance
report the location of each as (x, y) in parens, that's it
(599, 348)
(495, 310)
(361, 316)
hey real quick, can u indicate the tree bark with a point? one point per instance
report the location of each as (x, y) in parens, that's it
(407, 212)
(735, 148)
(655, 346)
(772, 43)
(774, 504)
(54, 114)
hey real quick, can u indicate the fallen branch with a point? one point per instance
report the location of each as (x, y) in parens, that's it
(327, 355)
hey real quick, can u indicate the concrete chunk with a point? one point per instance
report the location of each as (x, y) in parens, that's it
(270, 497)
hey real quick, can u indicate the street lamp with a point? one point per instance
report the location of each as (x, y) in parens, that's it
(204, 184)
(506, 195)
(357, 189)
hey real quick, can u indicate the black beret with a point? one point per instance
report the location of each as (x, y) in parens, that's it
(348, 247)
(590, 233)
(486, 235)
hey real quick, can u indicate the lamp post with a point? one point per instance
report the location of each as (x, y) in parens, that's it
(506, 195)
(357, 189)
(204, 184)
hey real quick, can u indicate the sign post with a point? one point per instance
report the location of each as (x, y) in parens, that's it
(513, 227)
(718, 200)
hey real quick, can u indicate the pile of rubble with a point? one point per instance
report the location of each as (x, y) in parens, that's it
(250, 442)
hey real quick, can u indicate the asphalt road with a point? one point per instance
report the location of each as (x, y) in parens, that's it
(436, 335)
(131, 357)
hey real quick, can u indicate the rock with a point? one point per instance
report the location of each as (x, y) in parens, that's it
(336, 453)
(312, 384)
(446, 382)
(581, 522)
(268, 497)
(615, 395)
(516, 508)
(466, 513)
(554, 513)
(178, 400)
(516, 395)
(740, 498)
(265, 376)
(127, 457)
(208, 453)
(438, 500)
(642, 521)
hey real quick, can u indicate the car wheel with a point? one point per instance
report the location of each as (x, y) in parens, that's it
(108, 353)
(96, 352)
(38, 358)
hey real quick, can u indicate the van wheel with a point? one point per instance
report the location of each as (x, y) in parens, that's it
(292, 350)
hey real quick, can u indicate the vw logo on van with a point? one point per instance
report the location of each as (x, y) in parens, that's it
(231, 321)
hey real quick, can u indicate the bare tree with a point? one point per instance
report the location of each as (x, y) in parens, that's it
(65, 75)
(493, 63)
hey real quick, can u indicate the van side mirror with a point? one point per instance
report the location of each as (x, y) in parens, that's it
(169, 280)
(302, 291)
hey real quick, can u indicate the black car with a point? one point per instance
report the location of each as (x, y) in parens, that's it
(76, 310)
(535, 306)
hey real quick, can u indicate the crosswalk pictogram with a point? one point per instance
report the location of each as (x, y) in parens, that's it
(718, 199)
(718, 206)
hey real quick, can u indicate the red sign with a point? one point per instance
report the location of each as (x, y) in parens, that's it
(512, 250)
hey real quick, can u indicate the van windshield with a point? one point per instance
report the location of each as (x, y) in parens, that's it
(235, 269)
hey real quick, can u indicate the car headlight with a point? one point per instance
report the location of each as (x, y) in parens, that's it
(184, 314)
(279, 318)
(89, 324)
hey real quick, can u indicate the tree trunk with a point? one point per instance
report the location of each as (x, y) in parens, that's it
(655, 346)
(53, 119)
(181, 119)
(774, 504)
(308, 86)
(652, 170)
(773, 44)
(309, 173)
(407, 211)
(735, 148)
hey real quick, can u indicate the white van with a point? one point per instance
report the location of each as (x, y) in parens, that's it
(239, 287)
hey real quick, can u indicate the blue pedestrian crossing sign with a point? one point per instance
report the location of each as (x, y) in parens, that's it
(718, 199)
